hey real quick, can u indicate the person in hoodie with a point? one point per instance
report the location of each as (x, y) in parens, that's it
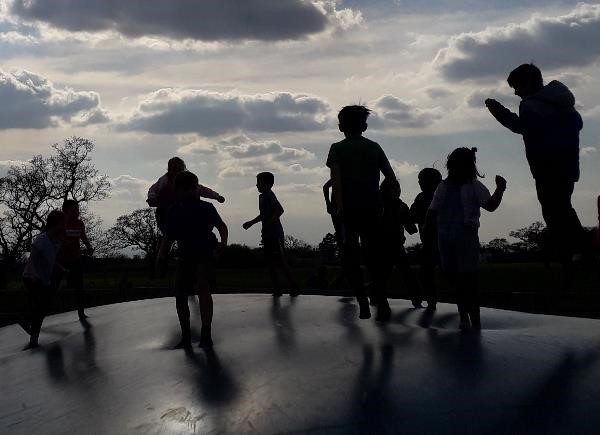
(550, 127)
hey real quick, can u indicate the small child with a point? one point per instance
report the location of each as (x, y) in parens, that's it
(39, 274)
(455, 208)
(190, 221)
(272, 233)
(70, 252)
(429, 179)
(395, 220)
(162, 195)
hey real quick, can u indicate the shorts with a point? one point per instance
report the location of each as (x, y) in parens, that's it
(273, 247)
(460, 253)
(192, 277)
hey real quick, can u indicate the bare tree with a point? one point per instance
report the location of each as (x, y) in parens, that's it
(137, 230)
(30, 190)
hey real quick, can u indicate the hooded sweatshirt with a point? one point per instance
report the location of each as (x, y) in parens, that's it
(550, 127)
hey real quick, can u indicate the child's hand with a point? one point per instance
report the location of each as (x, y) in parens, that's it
(247, 225)
(491, 102)
(500, 183)
(220, 199)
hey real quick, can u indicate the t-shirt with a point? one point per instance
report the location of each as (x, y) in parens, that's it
(71, 247)
(191, 224)
(419, 208)
(267, 205)
(458, 205)
(42, 259)
(360, 161)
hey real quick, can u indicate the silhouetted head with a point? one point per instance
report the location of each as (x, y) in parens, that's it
(526, 80)
(429, 178)
(353, 119)
(186, 185)
(175, 166)
(390, 188)
(462, 166)
(265, 181)
(55, 223)
(70, 208)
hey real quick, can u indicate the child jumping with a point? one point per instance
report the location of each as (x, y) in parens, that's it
(355, 165)
(429, 179)
(70, 253)
(272, 233)
(40, 272)
(190, 221)
(397, 219)
(455, 210)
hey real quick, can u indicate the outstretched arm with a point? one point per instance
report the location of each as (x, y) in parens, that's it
(223, 233)
(504, 116)
(205, 192)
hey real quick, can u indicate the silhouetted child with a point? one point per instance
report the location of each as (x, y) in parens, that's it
(70, 255)
(397, 219)
(330, 204)
(40, 271)
(550, 126)
(162, 195)
(190, 221)
(356, 163)
(429, 179)
(272, 233)
(455, 209)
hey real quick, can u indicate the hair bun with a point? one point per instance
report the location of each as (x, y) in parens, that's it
(474, 150)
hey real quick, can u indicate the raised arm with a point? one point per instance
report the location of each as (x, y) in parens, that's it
(504, 116)
(493, 203)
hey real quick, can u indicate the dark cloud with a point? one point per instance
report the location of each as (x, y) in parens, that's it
(179, 111)
(206, 20)
(392, 111)
(550, 42)
(30, 100)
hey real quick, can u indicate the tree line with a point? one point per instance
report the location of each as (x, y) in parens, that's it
(30, 190)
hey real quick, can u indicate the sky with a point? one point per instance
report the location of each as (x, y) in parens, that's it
(237, 88)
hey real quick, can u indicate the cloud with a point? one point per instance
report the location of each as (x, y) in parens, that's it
(551, 42)
(32, 101)
(299, 189)
(244, 157)
(392, 111)
(438, 92)
(587, 151)
(128, 188)
(206, 113)
(404, 168)
(6, 164)
(207, 20)
(476, 98)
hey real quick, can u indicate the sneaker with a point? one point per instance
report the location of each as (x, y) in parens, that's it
(277, 293)
(183, 344)
(464, 325)
(365, 311)
(416, 303)
(295, 292)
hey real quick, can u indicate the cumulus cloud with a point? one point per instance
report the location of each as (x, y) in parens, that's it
(207, 20)
(392, 111)
(435, 92)
(587, 151)
(243, 157)
(503, 93)
(32, 101)
(128, 188)
(549, 41)
(404, 168)
(180, 111)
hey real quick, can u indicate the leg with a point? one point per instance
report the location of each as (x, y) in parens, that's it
(206, 305)
(409, 279)
(184, 284)
(473, 299)
(40, 298)
(75, 279)
(376, 263)
(351, 265)
(287, 271)
(462, 299)
(427, 274)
